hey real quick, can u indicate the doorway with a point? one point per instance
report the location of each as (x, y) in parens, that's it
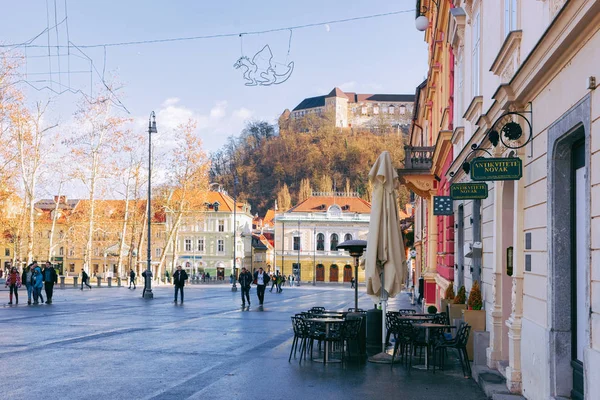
(578, 270)
(320, 273)
(459, 268)
(347, 273)
(333, 273)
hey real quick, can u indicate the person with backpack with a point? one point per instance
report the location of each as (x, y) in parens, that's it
(13, 280)
(85, 278)
(28, 278)
(38, 283)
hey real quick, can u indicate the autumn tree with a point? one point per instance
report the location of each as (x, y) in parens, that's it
(187, 182)
(305, 190)
(284, 200)
(94, 145)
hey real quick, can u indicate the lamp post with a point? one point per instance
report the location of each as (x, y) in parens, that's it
(356, 249)
(315, 256)
(148, 281)
(298, 263)
(235, 182)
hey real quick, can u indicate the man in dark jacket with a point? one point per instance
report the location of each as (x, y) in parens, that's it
(131, 278)
(262, 280)
(245, 280)
(179, 278)
(50, 278)
(84, 279)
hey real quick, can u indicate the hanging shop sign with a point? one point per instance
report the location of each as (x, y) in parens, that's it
(468, 191)
(496, 169)
(442, 205)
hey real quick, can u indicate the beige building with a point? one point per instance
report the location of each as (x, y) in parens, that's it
(306, 237)
(529, 71)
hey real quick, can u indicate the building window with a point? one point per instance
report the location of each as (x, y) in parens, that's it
(220, 246)
(376, 110)
(296, 243)
(475, 74)
(347, 236)
(188, 244)
(238, 248)
(71, 252)
(221, 225)
(61, 235)
(61, 251)
(392, 109)
(96, 252)
(7, 252)
(200, 247)
(402, 109)
(158, 252)
(157, 234)
(510, 16)
(333, 240)
(320, 242)
(71, 267)
(363, 110)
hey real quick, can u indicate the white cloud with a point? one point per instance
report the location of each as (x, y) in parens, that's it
(171, 101)
(243, 114)
(219, 110)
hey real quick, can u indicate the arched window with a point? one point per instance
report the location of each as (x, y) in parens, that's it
(347, 236)
(334, 242)
(320, 242)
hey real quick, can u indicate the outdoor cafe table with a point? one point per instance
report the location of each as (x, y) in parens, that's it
(427, 326)
(415, 318)
(327, 315)
(327, 322)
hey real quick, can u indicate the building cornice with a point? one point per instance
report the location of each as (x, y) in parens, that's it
(474, 107)
(443, 146)
(505, 55)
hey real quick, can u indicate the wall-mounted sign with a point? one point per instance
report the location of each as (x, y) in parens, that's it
(509, 261)
(468, 191)
(442, 205)
(496, 169)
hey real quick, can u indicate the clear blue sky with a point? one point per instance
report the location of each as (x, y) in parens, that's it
(197, 78)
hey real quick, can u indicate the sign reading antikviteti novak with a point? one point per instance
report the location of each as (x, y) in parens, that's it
(496, 169)
(469, 191)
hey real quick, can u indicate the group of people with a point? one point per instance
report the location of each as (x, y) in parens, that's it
(34, 279)
(260, 279)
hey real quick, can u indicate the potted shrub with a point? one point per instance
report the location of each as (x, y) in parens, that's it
(448, 297)
(458, 305)
(432, 310)
(474, 315)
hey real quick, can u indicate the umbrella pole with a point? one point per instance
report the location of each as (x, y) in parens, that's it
(383, 357)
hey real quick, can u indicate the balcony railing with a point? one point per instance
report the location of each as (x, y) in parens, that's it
(418, 158)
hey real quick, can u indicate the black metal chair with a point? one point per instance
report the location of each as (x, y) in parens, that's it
(350, 333)
(301, 334)
(404, 335)
(459, 342)
(407, 311)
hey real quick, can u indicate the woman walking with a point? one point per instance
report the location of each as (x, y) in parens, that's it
(13, 280)
(27, 277)
(38, 284)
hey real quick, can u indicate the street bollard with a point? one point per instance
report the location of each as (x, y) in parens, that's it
(109, 279)
(75, 281)
(62, 282)
(99, 281)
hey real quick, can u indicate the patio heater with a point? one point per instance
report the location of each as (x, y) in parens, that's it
(356, 249)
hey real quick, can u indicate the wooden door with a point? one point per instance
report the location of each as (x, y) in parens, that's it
(320, 273)
(347, 273)
(333, 273)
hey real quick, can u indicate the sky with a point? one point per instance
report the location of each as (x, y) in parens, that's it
(196, 78)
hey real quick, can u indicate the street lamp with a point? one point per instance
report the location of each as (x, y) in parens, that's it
(356, 249)
(148, 281)
(315, 256)
(298, 263)
(235, 182)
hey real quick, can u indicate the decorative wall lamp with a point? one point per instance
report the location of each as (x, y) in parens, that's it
(421, 21)
(506, 130)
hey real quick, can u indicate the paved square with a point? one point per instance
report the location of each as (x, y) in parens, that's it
(111, 344)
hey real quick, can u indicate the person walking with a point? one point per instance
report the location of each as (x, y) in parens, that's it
(261, 279)
(28, 279)
(245, 280)
(85, 279)
(280, 282)
(50, 278)
(38, 284)
(352, 283)
(145, 276)
(131, 278)
(13, 280)
(179, 278)
(274, 278)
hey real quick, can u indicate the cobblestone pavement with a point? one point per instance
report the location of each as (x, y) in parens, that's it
(109, 343)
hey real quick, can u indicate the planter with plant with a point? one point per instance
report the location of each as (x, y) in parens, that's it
(474, 316)
(458, 305)
(448, 297)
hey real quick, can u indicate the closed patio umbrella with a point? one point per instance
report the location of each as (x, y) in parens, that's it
(385, 269)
